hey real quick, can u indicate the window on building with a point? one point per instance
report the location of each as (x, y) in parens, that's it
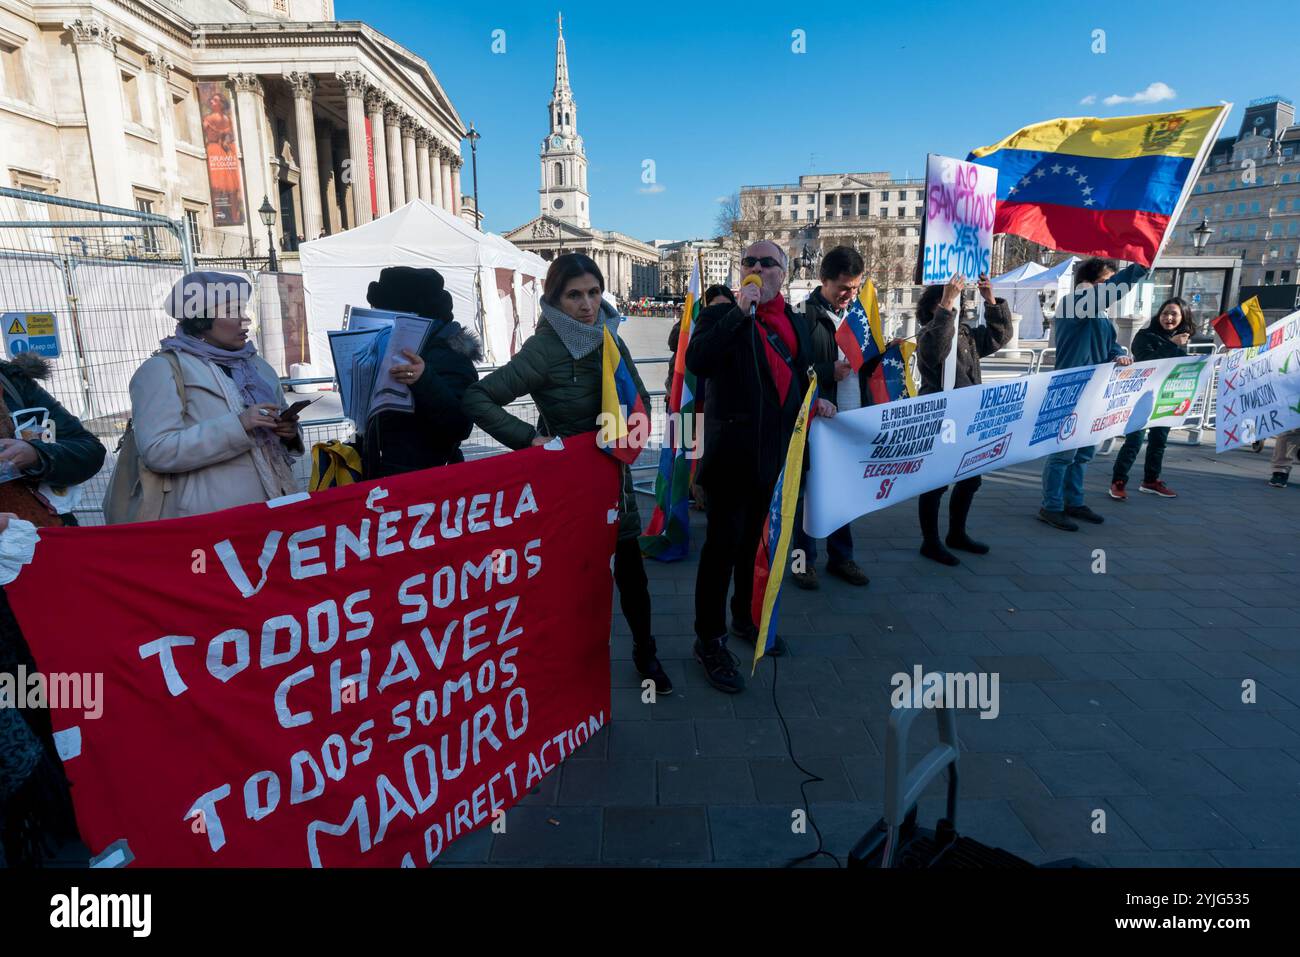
(778, 199)
(147, 239)
(1250, 231)
(1292, 227)
(1295, 204)
(1254, 207)
(794, 214)
(807, 214)
(1268, 277)
(1285, 277)
(864, 200)
(192, 227)
(1209, 187)
(131, 97)
(884, 195)
(1286, 177)
(13, 78)
(1236, 233)
(559, 174)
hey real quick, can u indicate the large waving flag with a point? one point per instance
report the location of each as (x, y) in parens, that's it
(1101, 187)
(667, 534)
(625, 425)
(778, 529)
(861, 336)
(1242, 326)
(892, 378)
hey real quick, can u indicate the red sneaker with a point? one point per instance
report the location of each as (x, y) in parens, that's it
(1158, 488)
(1117, 491)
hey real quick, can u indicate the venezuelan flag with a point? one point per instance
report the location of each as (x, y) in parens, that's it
(667, 534)
(625, 427)
(1100, 187)
(1242, 326)
(892, 378)
(778, 529)
(861, 336)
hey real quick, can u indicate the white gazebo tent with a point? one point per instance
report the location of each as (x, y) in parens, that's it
(1021, 288)
(495, 287)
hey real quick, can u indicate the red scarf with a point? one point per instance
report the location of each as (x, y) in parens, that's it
(772, 318)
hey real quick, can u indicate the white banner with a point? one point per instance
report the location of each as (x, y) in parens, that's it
(1259, 388)
(871, 458)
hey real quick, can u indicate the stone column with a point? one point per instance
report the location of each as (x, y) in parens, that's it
(435, 173)
(422, 164)
(101, 98)
(304, 88)
(375, 107)
(250, 113)
(354, 87)
(396, 177)
(408, 158)
(448, 203)
(456, 163)
(159, 66)
(331, 215)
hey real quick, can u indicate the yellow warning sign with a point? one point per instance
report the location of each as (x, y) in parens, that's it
(16, 328)
(40, 324)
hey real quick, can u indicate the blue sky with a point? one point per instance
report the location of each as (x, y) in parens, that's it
(715, 95)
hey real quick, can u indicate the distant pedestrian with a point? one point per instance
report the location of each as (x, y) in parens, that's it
(935, 314)
(1085, 336)
(1165, 338)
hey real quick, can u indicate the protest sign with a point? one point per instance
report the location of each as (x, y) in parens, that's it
(1259, 388)
(960, 205)
(871, 458)
(358, 677)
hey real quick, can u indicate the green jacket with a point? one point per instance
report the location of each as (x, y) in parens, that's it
(567, 394)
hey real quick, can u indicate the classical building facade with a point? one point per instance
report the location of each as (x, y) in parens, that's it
(719, 260)
(1249, 194)
(564, 222)
(199, 109)
(876, 214)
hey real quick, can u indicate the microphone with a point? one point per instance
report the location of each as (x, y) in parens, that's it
(753, 279)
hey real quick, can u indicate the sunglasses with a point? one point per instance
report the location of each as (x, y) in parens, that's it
(767, 262)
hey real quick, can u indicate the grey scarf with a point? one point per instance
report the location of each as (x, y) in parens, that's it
(579, 338)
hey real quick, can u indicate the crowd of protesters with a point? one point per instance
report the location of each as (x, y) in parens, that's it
(210, 430)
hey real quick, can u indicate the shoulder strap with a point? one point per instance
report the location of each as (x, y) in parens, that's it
(177, 375)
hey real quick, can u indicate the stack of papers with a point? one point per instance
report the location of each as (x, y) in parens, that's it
(365, 351)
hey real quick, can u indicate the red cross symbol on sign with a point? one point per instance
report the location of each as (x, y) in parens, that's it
(1232, 436)
(1229, 410)
(1229, 383)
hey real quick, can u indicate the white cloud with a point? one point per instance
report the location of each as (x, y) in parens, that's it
(653, 188)
(1154, 93)
(1088, 100)
(721, 199)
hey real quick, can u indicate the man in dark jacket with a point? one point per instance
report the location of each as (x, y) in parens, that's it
(397, 442)
(841, 275)
(756, 356)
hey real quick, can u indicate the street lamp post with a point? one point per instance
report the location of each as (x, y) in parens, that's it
(267, 213)
(474, 135)
(1201, 235)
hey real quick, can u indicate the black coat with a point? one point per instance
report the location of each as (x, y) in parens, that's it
(747, 428)
(1150, 344)
(76, 455)
(935, 338)
(398, 442)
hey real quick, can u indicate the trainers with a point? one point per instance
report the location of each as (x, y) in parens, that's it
(1117, 490)
(849, 572)
(806, 580)
(1057, 520)
(1085, 513)
(719, 665)
(1278, 480)
(1158, 488)
(750, 635)
(653, 670)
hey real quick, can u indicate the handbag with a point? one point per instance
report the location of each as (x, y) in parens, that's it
(135, 492)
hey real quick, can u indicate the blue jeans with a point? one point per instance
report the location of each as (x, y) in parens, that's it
(1063, 478)
(839, 543)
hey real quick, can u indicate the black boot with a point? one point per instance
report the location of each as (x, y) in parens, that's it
(928, 511)
(644, 656)
(720, 665)
(958, 509)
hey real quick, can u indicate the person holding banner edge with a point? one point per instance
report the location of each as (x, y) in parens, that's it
(560, 366)
(937, 321)
(1085, 336)
(1165, 338)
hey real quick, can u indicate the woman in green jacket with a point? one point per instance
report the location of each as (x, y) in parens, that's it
(560, 367)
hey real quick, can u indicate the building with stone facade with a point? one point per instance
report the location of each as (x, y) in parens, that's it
(1249, 195)
(564, 221)
(198, 109)
(876, 214)
(719, 259)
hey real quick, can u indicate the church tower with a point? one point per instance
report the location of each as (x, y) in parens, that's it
(564, 163)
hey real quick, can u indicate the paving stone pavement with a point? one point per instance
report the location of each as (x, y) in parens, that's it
(1120, 691)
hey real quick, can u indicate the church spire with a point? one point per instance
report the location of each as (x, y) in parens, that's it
(561, 65)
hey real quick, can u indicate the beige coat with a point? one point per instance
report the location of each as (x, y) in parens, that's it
(203, 451)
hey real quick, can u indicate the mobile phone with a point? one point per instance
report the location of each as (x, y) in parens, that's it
(297, 407)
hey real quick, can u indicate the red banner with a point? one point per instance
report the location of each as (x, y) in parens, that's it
(370, 169)
(355, 678)
(223, 157)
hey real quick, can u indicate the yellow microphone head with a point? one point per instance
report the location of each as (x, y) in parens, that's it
(753, 279)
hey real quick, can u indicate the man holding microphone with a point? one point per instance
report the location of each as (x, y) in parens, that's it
(756, 356)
